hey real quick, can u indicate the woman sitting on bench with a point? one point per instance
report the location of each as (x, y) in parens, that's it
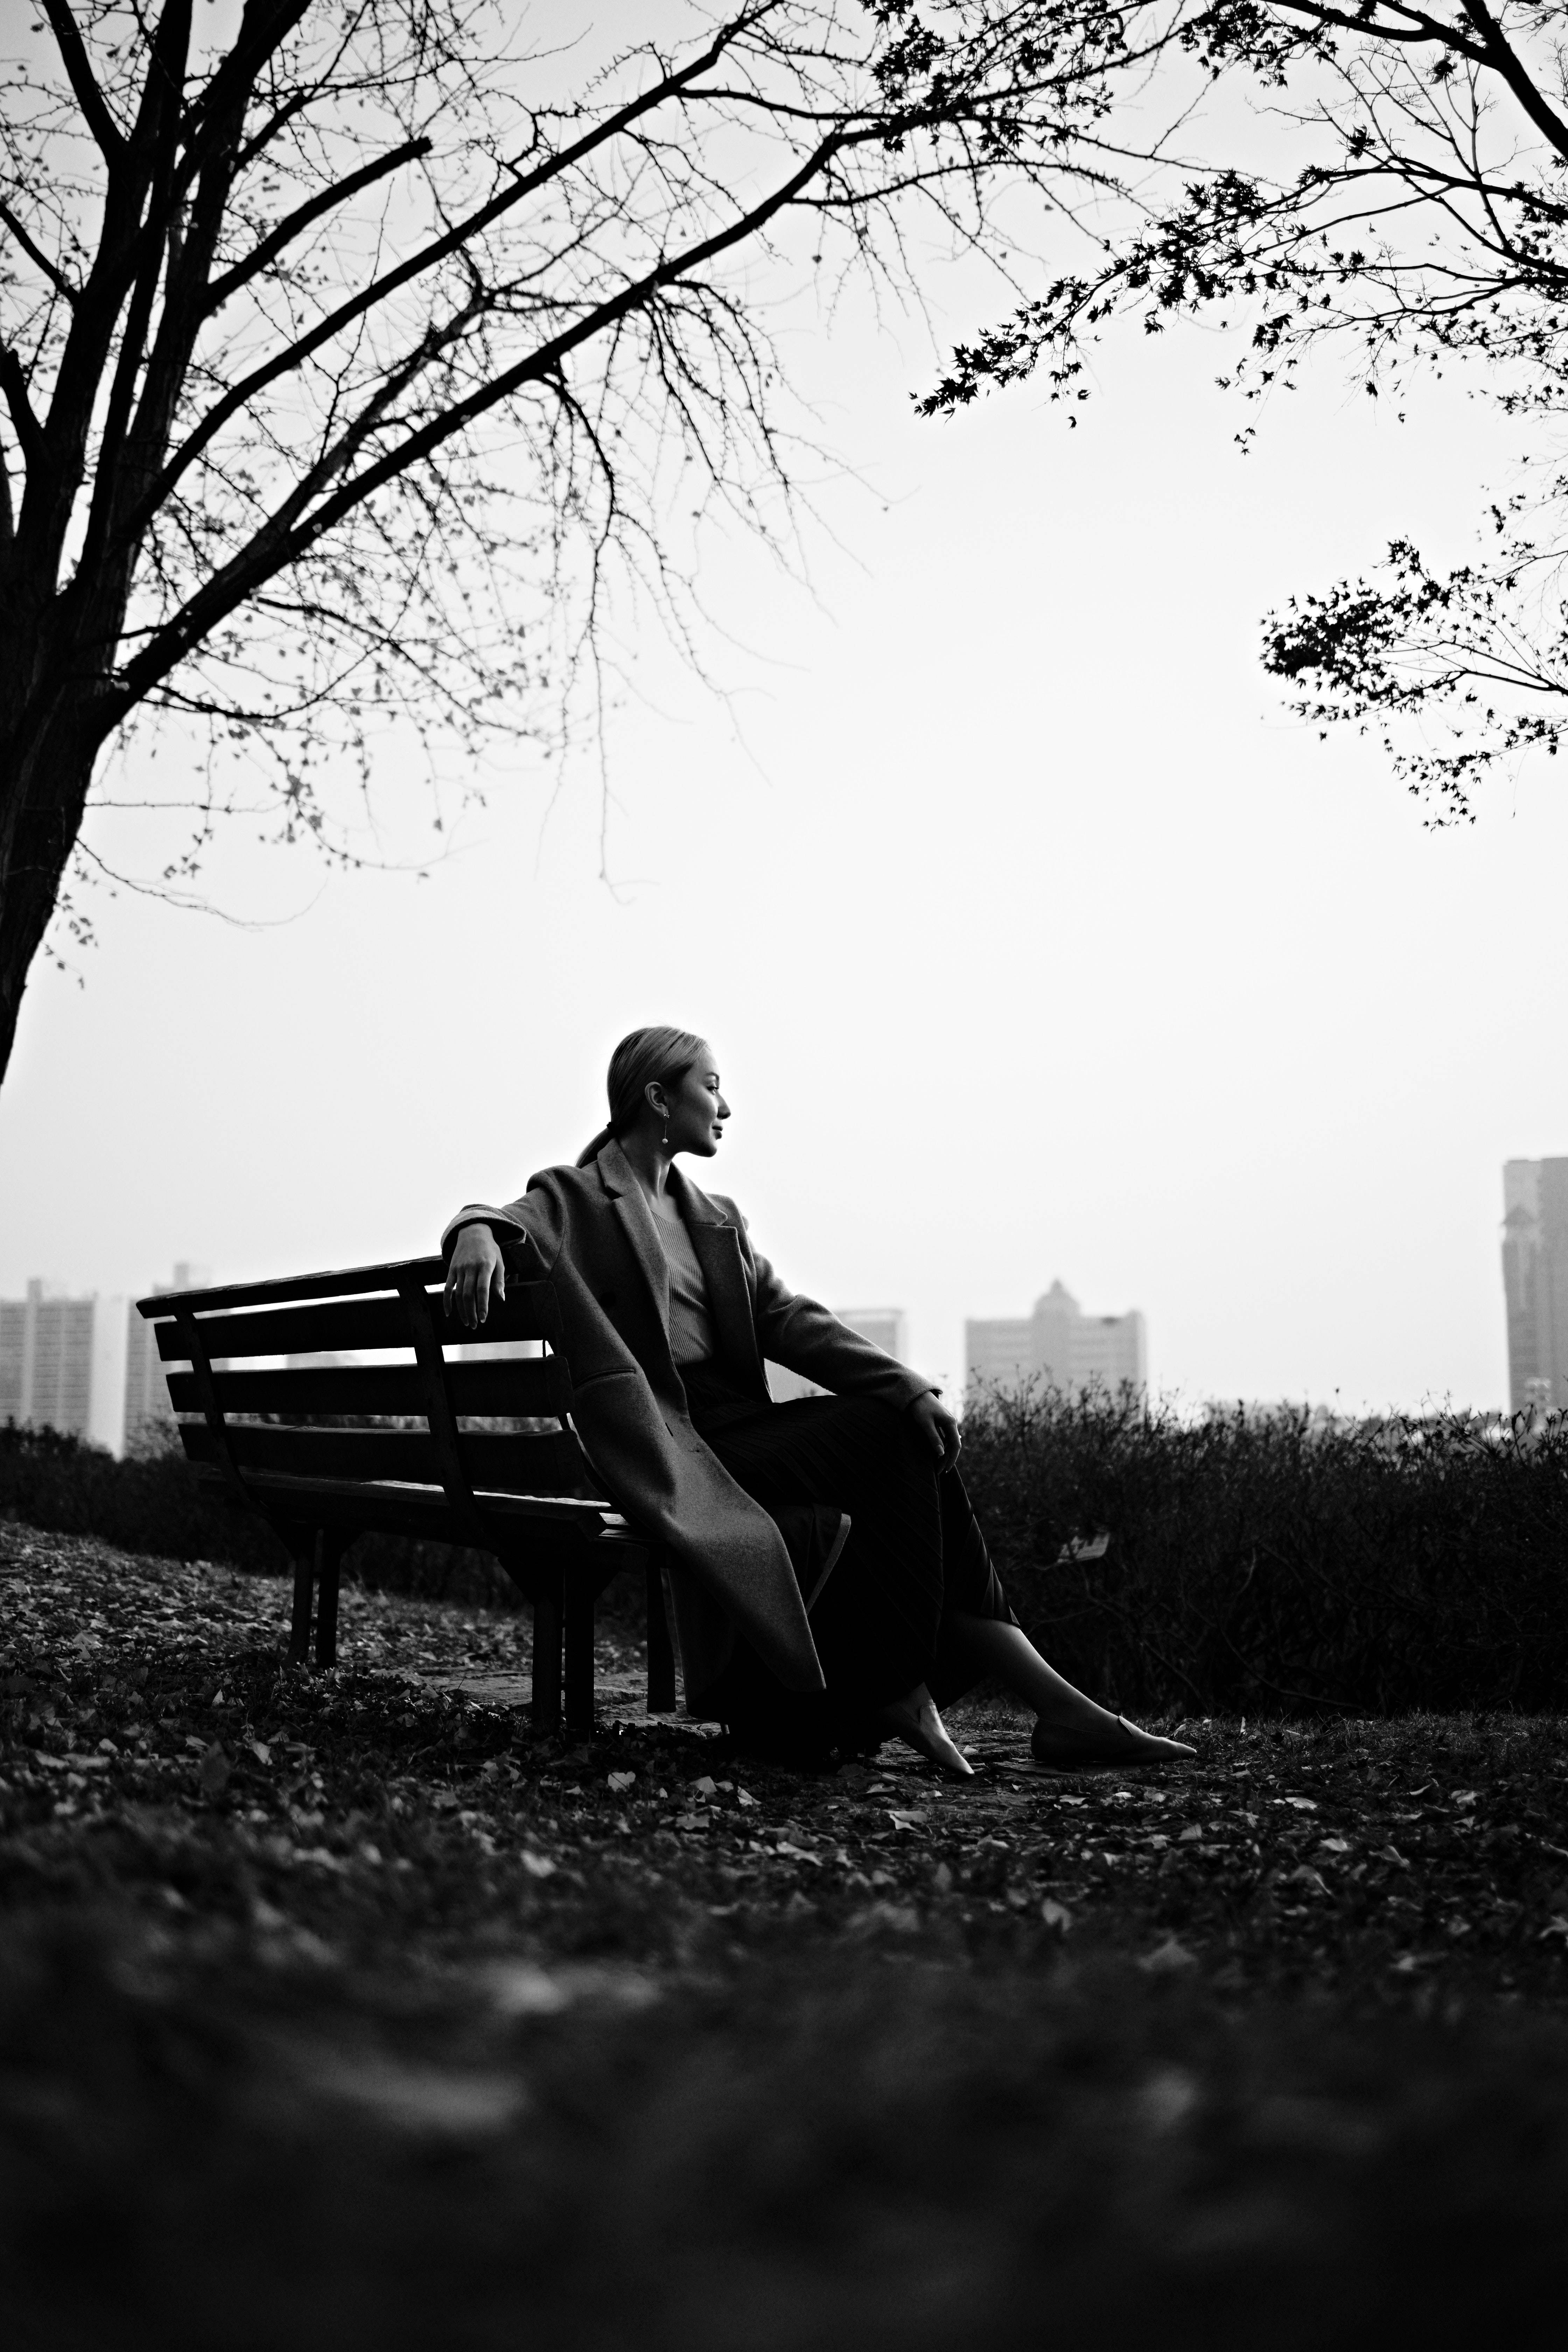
(830, 1580)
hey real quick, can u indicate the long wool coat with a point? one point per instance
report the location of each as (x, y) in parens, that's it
(589, 1233)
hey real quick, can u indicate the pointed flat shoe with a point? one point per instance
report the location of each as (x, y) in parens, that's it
(1049, 1751)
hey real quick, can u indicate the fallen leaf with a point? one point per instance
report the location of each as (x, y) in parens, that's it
(537, 1865)
(1056, 1914)
(892, 1918)
(1168, 1958)
(214, 1770)
(621, 1780)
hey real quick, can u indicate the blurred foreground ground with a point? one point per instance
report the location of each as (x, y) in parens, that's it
(338, 2010)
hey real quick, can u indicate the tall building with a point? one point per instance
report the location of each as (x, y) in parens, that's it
(62, 1364)
(883, 1325)
(1535, 1281)
(1057, 1346)
(147, 1407)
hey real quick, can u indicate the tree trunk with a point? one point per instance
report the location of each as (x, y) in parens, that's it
(45, 771)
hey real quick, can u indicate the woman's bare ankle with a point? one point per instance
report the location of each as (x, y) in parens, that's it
(915, 1719)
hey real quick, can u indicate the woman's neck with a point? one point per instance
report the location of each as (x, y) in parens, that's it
(650, 1164)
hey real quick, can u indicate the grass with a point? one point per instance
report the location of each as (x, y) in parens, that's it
(339, 2009)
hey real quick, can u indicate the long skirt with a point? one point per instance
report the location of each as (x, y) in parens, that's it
(914, 1561)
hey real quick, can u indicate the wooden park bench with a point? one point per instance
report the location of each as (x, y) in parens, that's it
(436, 1437)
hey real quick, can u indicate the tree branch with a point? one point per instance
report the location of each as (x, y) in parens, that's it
(14, 383)
(298, 221)
(157, 131)
(89, 97)
(1420, 29)
(36, 253)
(1505, 61)
(440, 250)
(272, 547)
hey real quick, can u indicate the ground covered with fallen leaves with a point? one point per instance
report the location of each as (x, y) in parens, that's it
(339, 2008)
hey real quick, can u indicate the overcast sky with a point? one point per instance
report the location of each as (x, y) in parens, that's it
(1034, 937)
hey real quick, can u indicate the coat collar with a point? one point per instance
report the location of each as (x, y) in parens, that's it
(619, 1178)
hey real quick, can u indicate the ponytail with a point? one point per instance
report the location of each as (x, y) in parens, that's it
(591, 1151)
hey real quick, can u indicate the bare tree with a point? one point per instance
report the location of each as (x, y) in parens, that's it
(1425, 227)
(343, 339)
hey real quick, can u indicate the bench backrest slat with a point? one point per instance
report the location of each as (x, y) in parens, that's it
(343, 1326)
(286, 1290)
(505, 1463)
(518, 1387)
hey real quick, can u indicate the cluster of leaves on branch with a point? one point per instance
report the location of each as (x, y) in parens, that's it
(1415, 211)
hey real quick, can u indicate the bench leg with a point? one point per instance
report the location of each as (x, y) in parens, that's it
(547, 1656)
(660, 1651)
(329, 1551)
(304, 1550)
(579, 1653)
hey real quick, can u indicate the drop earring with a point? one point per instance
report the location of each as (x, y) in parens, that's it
(665, 1137)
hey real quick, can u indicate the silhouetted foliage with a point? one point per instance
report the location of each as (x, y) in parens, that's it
(1269, 1563)
(1262, 1565)
(1409, 204)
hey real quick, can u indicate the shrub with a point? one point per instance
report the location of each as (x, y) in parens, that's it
(1273, 1564)
(151, 1503)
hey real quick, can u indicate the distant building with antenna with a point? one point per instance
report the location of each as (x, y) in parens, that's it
(1059, 1347)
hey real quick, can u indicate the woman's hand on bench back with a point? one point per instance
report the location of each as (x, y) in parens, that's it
(476, 1270)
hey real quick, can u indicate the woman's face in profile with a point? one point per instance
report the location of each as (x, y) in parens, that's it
(696, 1109)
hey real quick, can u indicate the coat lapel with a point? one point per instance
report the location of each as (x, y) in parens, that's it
(636, 1223)
(718, 1248)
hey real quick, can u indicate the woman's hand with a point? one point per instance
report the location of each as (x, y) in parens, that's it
(475, 1269)
(938, 1427)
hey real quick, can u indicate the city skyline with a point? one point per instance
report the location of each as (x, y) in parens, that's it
(86, 1363)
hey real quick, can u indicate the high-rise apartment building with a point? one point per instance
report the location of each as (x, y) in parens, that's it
(883, 1325)
(147, 1407)
(62, 1364)
(1057, 1346)
(1535, 1281)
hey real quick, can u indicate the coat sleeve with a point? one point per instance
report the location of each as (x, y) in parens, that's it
(535, 1220)
(806, 1337)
